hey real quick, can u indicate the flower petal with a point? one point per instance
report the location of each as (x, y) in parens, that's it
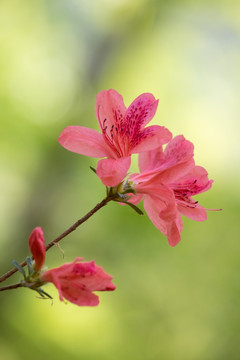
(172, 174)
(109, 109)
(151, 138)
(177, 151)
(197, 213)
(160, 206)
(199, 176)
(111, 171)
(173, 231)
(99, 281)
(170, 165)
(151, 207)
(135, 199)
(149, 159)
(142, 110)
(78, 295)
(84, 141)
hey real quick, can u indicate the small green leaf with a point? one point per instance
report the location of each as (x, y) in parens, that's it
(19, 267)
(29, 265)
(134, 207)
(43, 293)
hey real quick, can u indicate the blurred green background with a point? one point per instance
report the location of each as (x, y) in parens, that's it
(55, 56)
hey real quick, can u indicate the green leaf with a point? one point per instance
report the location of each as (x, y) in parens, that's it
(134, 207)
(29, 265)
(19, 267)
(43, 293)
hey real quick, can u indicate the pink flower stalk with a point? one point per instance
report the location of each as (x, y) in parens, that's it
(37, 247)
(168, 181)
(76, 282)
(123, 133)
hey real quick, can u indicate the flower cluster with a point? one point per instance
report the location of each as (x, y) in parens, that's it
(168, 178)
(74, 281)
(167, 182)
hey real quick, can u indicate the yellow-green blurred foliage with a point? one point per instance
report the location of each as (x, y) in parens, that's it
(55, 56)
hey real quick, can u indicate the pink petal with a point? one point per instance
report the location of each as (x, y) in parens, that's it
(198, 213)
(160, 206)
(164, 199)
(169, 176)
(109, 109)
(84, 141)
(77, 295)
(177, 151)
(99, 281)
(172, 174)
(199, 176)
(142, 110)
(168, 213)
(111, 171)
(135, 199)
(168, 164)
(152, 209)
(148, 160)
(151, 138)
(170, 224)
(173, 232)
(52, 276)
(195, 172)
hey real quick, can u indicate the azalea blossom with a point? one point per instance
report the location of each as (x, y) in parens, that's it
(168, 181)
(75, 281)
(123, 133)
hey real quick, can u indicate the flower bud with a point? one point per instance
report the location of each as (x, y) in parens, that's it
(37, 247)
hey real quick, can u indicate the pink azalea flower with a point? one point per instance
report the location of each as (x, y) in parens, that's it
(76, 282)
(37, 247)
(168, 181)
(123, 133)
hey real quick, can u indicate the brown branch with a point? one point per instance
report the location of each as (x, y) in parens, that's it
(60, 237)
(10, 287)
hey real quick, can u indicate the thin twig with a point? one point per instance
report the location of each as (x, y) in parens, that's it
(10, 287)
(60, 237)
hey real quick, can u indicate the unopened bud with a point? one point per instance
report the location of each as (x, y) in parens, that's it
(37, 247)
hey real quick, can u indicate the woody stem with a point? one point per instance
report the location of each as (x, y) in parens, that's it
(10, 287)
(60, 237)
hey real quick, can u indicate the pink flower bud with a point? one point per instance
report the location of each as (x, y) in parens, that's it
(37, 247)
(75, 281)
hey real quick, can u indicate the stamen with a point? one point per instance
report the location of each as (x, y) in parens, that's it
(186, 203)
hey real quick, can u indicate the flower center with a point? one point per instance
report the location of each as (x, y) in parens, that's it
(124, 133)
(184, 192)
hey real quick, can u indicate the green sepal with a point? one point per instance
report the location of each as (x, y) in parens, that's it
(94, 170)
(134, 207)
(122, 197)
(129, 191)
(19, 267)
(43, 293)
(29, 265)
